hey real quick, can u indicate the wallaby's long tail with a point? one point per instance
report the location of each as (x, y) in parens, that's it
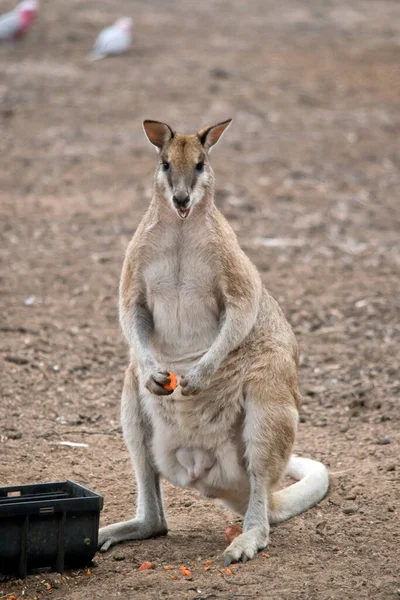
(311, 486)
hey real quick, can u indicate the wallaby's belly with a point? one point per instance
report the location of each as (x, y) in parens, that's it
(185, 312)
(213, 473)
(197, 441)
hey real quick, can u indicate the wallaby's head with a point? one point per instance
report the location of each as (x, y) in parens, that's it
(184, 175)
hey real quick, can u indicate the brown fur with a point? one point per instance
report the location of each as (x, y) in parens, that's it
(241, 392)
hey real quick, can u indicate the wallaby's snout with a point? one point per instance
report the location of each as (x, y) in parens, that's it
(184, 175)
(181, 202)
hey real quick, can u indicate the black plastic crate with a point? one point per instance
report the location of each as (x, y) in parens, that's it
(48, 525)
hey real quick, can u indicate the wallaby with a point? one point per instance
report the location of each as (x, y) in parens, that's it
(192, 303)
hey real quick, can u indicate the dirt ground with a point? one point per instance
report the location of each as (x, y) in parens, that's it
(308, 176)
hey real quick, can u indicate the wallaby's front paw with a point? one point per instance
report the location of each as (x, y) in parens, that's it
(196, 380)
(155, 381)
(134, 529)
(245, 546)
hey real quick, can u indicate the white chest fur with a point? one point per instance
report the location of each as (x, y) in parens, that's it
(180, 294)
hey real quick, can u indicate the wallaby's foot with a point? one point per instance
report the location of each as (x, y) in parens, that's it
(246, 546)
(135, 529)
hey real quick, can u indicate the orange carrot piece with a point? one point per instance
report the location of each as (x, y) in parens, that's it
(185, 572)
(145, 566)
(232, 532)
(173, 382)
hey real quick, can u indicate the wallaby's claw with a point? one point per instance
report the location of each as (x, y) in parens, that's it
(245, 547)
(156, 381)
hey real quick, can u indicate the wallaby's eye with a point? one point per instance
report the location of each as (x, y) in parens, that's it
(165, 165)
(200, 167)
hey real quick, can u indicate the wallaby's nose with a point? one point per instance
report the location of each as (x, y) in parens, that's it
(181, 200)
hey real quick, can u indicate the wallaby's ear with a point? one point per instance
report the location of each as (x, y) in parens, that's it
(209, 136)
(158, 133)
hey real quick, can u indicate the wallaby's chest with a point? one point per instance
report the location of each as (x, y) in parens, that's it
(181, 295)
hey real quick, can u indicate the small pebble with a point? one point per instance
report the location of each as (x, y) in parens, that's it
(17, 360)
(350, 510)
(351, 496)
(119, 557)
(383, 441)
(222, 73)
(391, 468)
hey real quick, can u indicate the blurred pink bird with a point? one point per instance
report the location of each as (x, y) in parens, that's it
(15, 24)
(116, 39)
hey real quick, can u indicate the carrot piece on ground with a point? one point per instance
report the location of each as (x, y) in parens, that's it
(232, 532)
(145, 566)
(207, 562)
(185, 571)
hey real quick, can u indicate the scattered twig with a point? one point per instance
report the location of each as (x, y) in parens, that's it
(18, 330)
(83, 431)
(88, 432)
(340, 472)
(228, 596)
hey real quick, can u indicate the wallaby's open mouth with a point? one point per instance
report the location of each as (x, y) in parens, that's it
(183, 212)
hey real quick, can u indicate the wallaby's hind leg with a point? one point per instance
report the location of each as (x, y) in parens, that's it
(269, 431)
(150, 520)
(238, 504)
